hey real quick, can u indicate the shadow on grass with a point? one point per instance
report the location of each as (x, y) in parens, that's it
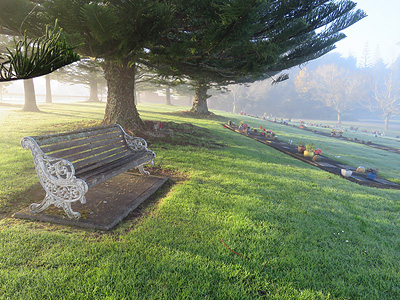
(21, 200)
(191, 115)
(35, 194)
(72, 113)
(11, 105)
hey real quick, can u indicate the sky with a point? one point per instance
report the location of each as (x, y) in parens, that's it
(380, 29)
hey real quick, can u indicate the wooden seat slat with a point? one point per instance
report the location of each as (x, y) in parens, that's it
(100, 159)
(105, 172)
(96, 169)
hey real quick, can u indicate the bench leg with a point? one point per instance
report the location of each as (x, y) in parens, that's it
(49, 200)
(143, 171)
(70, 213)
(36, 208)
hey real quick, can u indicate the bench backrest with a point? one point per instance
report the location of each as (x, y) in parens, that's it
(87, 148)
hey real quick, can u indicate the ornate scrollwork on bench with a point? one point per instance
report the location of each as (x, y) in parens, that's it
(138, 144)
(57, 177)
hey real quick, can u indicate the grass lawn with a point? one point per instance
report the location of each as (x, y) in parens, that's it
(389, 139)
(347, 152)
(301, 233)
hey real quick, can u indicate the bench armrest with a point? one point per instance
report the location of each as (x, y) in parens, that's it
(57, 177)
(52, 167)
(136, 143)
(139, 144)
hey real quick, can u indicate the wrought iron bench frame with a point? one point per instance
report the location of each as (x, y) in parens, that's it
(69, 163)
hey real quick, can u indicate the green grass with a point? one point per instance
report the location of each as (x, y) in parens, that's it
(304, 233)
(389, 139)
(346, 152)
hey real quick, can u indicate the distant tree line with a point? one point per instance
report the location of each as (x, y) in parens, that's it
(331, 85)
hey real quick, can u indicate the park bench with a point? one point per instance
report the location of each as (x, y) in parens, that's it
(69, 163)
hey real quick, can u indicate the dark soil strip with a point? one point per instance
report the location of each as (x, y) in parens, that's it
(366, 143)
(323, 163)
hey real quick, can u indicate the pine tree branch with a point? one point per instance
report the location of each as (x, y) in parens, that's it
(37, 57)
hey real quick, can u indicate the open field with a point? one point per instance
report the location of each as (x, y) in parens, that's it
(302, 233)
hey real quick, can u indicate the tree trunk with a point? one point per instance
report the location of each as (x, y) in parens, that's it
(168, 96)
(30, 97)
(93, 93)
(200, 99)
(49, 98)
(121, 106)
(387, 121)
(137, 99)
(339, 117)
(234, 103)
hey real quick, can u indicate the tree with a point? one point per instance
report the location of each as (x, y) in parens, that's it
(366, 59)
(185, 90)
(37, 57)
(30, 96)
(387, 96)
(87, 71)
(236, 92)
(168, 83)
(49, 97)
(241, 97)
(122, 33)
(3, 89)
(337, 87)
(33, 58)
(243, 41)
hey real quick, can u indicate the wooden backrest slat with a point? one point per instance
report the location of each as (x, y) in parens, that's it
(99, 161)
(73, 135)
(81, 156)
(66, 152)
(89, 149)
(50, 148)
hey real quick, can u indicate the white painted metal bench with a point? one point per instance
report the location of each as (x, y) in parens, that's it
(69, 163)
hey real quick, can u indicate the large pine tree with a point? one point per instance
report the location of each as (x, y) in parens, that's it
(120, 32)
(228, 42)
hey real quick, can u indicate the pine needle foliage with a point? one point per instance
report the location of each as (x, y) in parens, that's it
(36, 57)
(224, 40)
